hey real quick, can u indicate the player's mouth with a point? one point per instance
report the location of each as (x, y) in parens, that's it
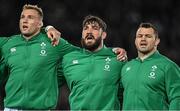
(25, 27)
(89, 37)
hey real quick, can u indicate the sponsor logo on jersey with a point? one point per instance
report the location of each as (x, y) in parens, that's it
(128, 68)
(13, 49)
(75, 61)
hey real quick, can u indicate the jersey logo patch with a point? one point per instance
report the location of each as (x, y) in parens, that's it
(13, 49)
(75, 61)
(128, 68)
(43, 51)
(43, 45)
(107, 64)
(152, 74)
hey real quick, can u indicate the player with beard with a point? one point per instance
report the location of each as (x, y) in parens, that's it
(89, 41)
(151, 81)
(92, 73)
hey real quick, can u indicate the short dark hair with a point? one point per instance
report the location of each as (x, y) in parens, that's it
(91, 19)
(34, 7)
(149, 25)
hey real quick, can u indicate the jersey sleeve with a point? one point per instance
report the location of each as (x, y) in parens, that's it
(65, 47)
(120, 94)
(60, 76)
(3, 72)
(43, 30)
(172, 83)
(3, 40)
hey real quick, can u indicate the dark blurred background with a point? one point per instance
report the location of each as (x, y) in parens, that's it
(121, 16)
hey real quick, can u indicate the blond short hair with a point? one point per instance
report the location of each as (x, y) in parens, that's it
(34, 7)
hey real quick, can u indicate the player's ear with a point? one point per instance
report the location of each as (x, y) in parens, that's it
(41, 24)
(104, 34)
(157, 42)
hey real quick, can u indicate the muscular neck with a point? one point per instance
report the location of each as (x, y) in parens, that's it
(143, 56)
(28, 37)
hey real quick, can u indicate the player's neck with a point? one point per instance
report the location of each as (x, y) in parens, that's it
(99, 48)
(28, 37)
(143, 56)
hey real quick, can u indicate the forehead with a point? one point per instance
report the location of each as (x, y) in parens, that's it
(145, 31)
(29, 12)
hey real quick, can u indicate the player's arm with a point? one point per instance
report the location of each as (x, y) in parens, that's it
(3, 71)
(53, 34)
(121, 54)
(60, 76)
(172, 84)
(3, 40)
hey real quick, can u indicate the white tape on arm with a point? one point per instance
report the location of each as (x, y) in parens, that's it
(48, 27)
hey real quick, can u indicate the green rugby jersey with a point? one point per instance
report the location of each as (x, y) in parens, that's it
(32, 64)
(3, 40)
(151, 84)
(93, 79)
(3, 76)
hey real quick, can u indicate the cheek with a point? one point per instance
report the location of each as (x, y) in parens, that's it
(20, 22)
(137, 46)
(34, 22)
(151, 44)
(83, 34)
(136, 42)
(96, 34)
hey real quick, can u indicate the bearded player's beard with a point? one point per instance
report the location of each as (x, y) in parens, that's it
(91, 46)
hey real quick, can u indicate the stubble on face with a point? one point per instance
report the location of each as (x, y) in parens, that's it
(29, 23)
(145, 40)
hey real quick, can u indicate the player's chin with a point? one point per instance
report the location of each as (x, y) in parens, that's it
(89, 44)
